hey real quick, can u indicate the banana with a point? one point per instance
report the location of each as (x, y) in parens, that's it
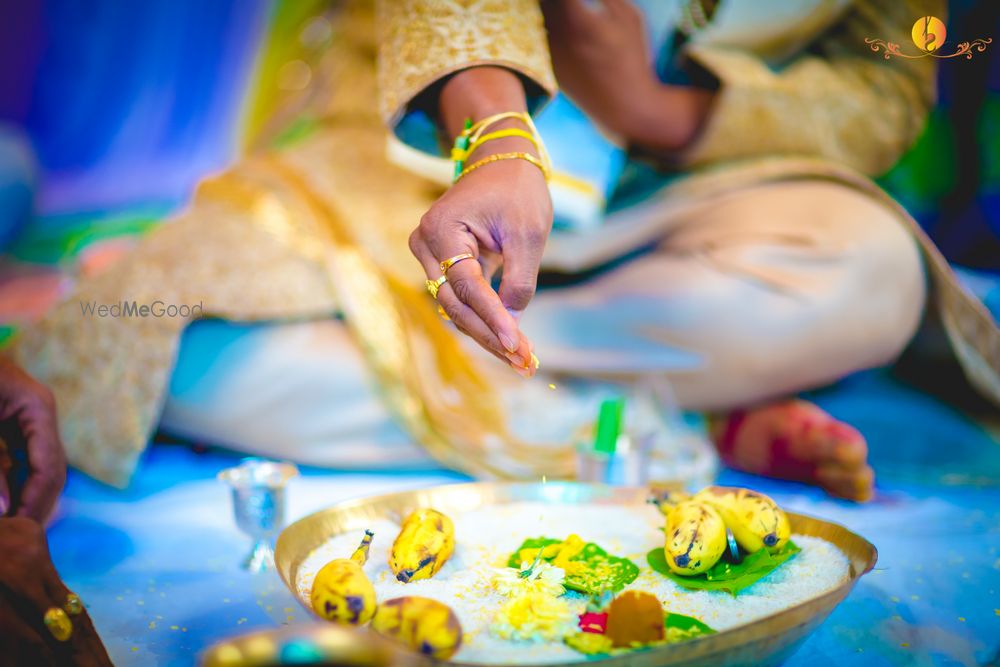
(341, 592)
(695, 537)
(424, 544)
(756, 521)
(666, 499)
(427, 626)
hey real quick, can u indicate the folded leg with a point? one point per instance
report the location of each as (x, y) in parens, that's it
(748, 300)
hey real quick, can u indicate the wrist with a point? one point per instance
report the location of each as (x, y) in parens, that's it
(664, 117)
(479, 92)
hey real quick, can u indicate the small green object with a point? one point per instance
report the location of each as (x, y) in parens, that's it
(461, 144)
(603, 571)
(681, 627)
(609, 424)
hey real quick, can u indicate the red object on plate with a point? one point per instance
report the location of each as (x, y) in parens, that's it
(594, 622)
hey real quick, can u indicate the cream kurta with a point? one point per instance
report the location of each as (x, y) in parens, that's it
(320, 226)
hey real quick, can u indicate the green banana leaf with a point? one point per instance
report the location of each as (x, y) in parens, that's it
(603, 572)
(681, 627)
(726, 576)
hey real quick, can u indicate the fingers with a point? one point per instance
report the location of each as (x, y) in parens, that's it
(30, 407)
(521, 259)
(4, 495)
(22, 642)
(86, 644)
(6, 465)
(46, 460)
(466, 282)
(468, 299)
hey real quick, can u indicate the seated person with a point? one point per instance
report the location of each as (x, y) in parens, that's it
(768, 263)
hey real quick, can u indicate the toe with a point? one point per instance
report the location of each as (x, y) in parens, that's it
(853, 483)
(840, 443)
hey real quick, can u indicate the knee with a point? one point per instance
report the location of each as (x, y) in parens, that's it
(890, 288)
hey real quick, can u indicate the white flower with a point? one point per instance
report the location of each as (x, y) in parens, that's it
(541, 577)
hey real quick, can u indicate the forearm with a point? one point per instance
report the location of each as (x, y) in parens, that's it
(479, 92)
(662, 118)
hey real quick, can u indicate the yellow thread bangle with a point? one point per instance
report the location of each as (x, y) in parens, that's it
(461, 155)
(528, 157)
(483, 123)
(503, 134)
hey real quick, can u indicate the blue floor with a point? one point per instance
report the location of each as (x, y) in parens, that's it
(157, 565)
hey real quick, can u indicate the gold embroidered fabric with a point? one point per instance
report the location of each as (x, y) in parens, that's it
(838, 101)
(422, 41)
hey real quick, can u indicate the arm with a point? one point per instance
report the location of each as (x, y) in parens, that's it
(457, 65)
(28, 423)
(837, 100)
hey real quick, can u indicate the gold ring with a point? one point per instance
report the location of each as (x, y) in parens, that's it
(73, 606)
(452, 261)
(434, 285)
(58, 623)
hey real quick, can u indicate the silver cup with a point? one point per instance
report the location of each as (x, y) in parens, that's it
(258, 487)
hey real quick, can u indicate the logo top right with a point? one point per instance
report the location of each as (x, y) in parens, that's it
(928, 35)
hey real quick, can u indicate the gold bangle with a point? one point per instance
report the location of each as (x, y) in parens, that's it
(471, 137)
(502, 134)
(528, 157)
(477, 128)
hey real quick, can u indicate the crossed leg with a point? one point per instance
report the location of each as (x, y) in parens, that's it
(749, 299)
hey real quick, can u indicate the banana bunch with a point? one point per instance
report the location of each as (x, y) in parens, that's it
(696, 537)
(696, 525)
(756, 521)
(427, 626)
(424, 544)
(341, 592)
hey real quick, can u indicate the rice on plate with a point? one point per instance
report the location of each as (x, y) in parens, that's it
(486, 537)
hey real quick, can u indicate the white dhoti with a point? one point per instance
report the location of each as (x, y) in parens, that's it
(759, 293)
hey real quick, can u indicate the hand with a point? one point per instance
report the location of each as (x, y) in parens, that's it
(602, 60)
(500, 213)
(601, 56)
(28, 422)
(30, 585)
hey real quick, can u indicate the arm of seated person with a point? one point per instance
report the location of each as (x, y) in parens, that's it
(30, 587)
(29, 435)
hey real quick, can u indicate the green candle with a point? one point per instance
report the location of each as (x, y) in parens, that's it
(609, 425)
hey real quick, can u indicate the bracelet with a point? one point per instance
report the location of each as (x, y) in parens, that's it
(472, 137)
(528, 157)
(502, 134)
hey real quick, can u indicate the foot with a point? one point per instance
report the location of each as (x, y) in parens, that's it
(797, 440)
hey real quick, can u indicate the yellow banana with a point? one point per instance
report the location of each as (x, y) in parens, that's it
(424, 544)
(427, 626)
(756, 521)
(666, 498)
(695, 537)
(341, 592)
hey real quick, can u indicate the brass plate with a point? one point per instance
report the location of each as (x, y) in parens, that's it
(766, 641)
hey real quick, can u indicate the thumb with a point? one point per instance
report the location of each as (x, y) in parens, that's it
(520, 276)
